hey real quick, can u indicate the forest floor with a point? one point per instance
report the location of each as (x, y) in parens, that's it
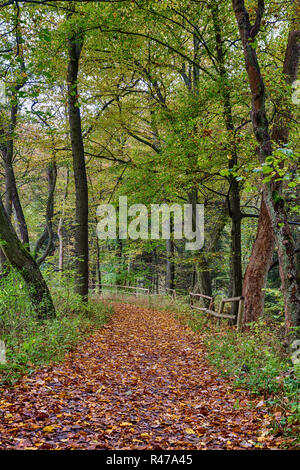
(140, 382)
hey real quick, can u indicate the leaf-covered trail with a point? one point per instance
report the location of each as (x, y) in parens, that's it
(140, 382)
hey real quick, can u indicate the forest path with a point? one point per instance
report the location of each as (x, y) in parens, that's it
(141, 382)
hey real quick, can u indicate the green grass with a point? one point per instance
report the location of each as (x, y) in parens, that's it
(31, 343)
(257, 362)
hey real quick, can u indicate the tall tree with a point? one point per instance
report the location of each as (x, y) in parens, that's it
(75, 44)
(7, 134)
(234, 204)
(263, 247)
(273, 188)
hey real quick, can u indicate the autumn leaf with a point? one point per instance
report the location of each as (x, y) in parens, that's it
(48, 429)
(190, 431)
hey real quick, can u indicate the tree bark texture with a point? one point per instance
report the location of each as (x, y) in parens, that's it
(75, 44)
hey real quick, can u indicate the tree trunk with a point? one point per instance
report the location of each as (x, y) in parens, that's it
(154, 266)
(203, 279)
(12, 198)
(236, 245)
(203, 276)
(75, 44)
(21, 260)
(119, 255)
(257, 270)
(170, 264)
(11, 182)
(12, 195)
(48, 234)
(61, 245)
(98, 287)
(60, 228)
(11, 190)
(234, 191)
(263, 247)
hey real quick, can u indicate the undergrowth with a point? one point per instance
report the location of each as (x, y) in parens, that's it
(30, 342)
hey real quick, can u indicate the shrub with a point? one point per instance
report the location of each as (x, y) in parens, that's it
(30, 342)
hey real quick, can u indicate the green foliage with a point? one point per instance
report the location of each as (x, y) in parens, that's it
(274, 305)
(253, 366)
(257, 362)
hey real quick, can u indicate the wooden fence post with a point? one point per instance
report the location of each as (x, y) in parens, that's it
(239, 320)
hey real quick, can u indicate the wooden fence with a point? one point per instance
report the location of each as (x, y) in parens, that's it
(132, 290)
(192, 298)
(220, 313)
(171, 293)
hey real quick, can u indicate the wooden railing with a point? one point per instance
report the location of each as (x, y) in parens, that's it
(220, 313)
(132, 289)
(200, 296)
(171, 293)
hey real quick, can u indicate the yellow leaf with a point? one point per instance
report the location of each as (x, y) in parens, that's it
(189, 431)
(48, 429)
